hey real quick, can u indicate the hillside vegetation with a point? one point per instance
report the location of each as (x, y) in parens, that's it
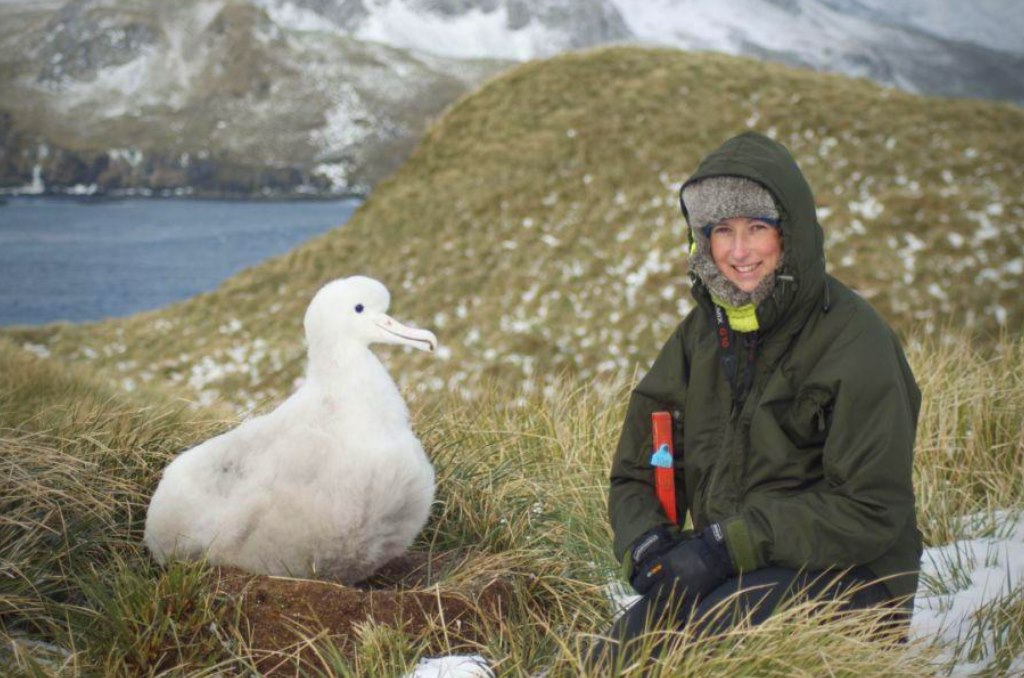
(536, 228)
(518, 545)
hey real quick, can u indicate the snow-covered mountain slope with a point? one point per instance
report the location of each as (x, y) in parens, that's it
(997, 24)
(502, 29)
(939, 47)
(209, 94)
(891, 43)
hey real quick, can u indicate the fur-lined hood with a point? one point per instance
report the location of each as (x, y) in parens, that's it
(800, 279)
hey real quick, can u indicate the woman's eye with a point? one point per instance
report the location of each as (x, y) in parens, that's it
(359, 308)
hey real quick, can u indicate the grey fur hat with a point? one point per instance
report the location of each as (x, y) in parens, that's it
(710, 200)
(707, 202)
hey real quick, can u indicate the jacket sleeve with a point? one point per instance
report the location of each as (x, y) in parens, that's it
(633, 506)
(866, 497)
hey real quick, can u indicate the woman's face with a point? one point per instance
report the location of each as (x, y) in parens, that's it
(745, 250)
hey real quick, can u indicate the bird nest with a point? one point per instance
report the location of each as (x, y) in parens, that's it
(290, 622)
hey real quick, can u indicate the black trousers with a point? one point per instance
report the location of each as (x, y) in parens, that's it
(754, 596)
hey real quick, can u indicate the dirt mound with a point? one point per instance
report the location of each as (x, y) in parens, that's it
(283, 614)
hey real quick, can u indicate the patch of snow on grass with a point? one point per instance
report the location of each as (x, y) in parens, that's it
(38, 350)
(868, 207)
(986, 229)
(959, 579)
(620, 595)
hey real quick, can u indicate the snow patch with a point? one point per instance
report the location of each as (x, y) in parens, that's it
(347, 121)
(39, 350)
(868, 207)
(813, 30)
(290, 17)
(335, 173)
(959, 579)
(474, 34)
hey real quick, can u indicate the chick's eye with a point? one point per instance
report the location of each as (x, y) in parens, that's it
(359, 308)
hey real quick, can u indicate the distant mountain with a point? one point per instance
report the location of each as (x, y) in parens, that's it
(207, 96)
(501, 29)
(931, 47)
(316, 96)
(926, 46)
(996, 24)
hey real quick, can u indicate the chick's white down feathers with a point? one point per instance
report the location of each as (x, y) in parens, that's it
(332, 484)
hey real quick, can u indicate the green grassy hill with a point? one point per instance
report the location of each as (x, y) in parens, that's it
(518, 550)
(536, 228)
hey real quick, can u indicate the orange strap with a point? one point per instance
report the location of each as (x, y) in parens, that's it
(662, 461)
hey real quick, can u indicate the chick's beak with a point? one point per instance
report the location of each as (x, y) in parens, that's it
(395, 332)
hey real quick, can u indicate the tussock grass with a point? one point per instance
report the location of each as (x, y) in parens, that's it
(970, 442)
(808, 638)
(520, 512)
(995, 637)
(77, 463)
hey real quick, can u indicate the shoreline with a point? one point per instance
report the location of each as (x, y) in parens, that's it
(178, 194)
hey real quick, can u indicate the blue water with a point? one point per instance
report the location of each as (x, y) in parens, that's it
(66, 259)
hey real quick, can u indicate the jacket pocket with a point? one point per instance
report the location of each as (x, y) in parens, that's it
(808, 420)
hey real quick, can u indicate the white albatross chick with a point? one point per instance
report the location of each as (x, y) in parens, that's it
(331, 484)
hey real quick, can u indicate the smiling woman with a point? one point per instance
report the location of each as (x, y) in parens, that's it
(64, 259)
(746, 250)
(793, 410)
(739, 242)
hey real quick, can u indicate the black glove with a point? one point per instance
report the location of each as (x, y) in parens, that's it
(693, 566)
(646, 549)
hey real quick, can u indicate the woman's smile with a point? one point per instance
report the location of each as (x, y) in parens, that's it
(745, 250)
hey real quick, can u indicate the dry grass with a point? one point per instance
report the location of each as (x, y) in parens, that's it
(521, 497)
(970, 443)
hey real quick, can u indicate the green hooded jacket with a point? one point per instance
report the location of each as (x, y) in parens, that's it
(812, 468)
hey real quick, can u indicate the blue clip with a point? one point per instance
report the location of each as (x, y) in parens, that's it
(662, 458)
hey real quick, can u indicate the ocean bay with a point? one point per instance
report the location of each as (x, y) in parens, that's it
(84, 260)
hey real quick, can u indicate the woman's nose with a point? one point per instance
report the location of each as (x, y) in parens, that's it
(739, 245)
